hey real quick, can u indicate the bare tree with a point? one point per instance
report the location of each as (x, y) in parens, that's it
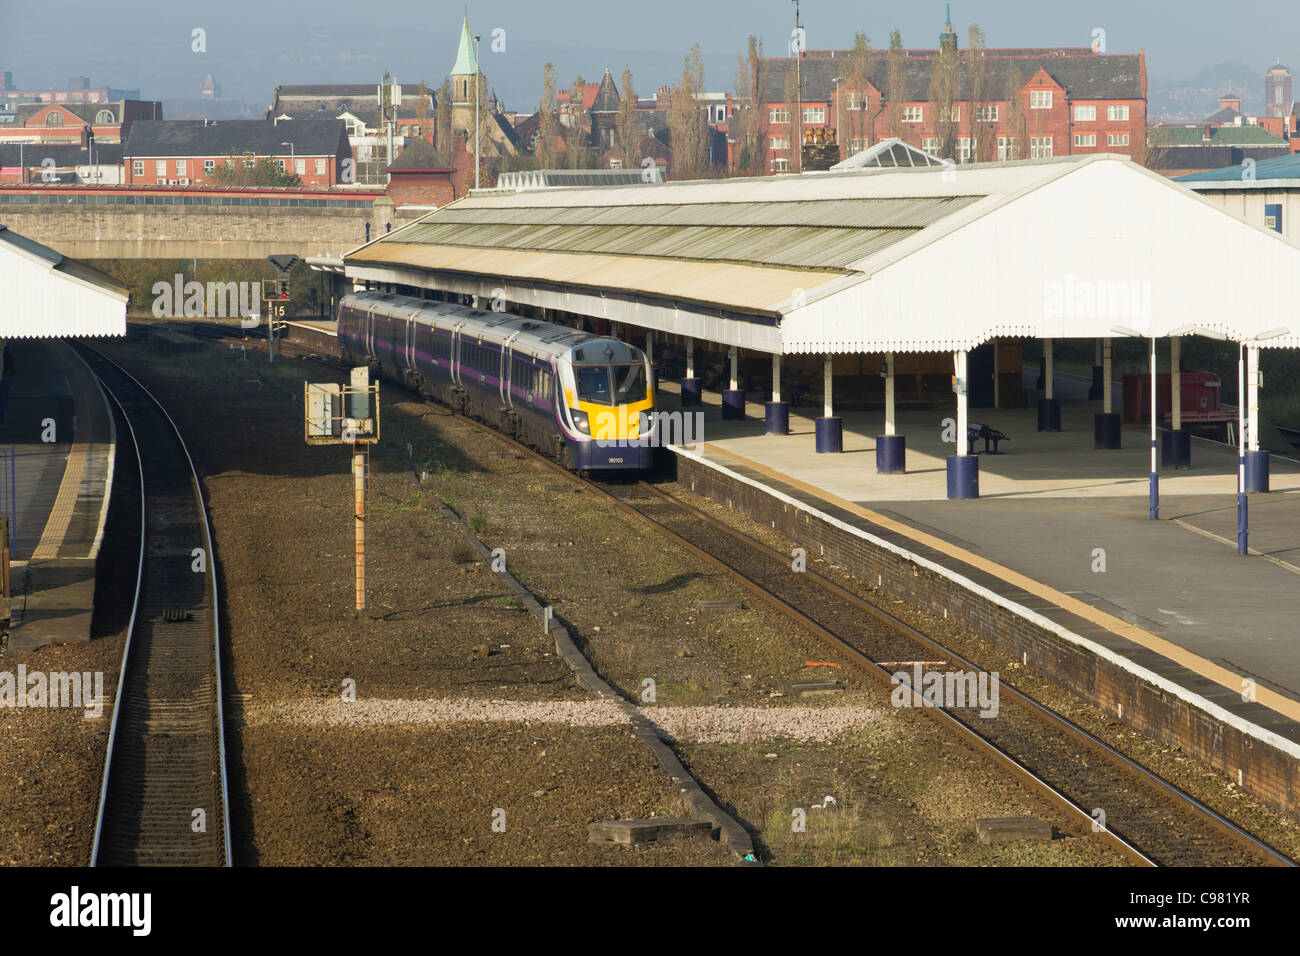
(626, 123)
(943, 100)
(1015, 124)
(743, 125)
(548, 127)
(792, 102)
(859, 78)
(896, 82)
(686, 121)
(983, 129)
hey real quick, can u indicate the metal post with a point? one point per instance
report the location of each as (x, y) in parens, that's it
(1047, 375)
(826, 386)
(650, 346)
(889, 394)
(690, 357)
(997, 373)
(1243, 525)
(1155, 478)
(735, 382)
(776, 377)
(962, 416)
(1176, 383)
(360, 454)
(1106, 398)
(477, 71)
(1252, 398)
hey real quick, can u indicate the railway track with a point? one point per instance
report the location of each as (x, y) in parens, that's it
(1150, 821)
(163, 799)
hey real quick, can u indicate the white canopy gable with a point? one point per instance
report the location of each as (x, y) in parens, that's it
(1105, 244)
(45, 295)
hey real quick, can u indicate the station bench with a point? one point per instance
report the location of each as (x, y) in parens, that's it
(975, 432)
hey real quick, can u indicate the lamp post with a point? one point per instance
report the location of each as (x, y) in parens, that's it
(839, 148)
(477, 72)
(1243, 523)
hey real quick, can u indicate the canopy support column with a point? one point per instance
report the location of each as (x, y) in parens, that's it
(1049, 407)
(963, 468)
(691, 386)
(830, 430)
(1106, 426)
(776, 414)
(1177, 449)
(1256, 460)
(891, 448)
(733, 399)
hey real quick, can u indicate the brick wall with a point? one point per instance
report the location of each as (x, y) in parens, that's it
(1267, 772)
(421, 188)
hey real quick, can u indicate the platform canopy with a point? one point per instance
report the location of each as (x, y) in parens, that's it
(868, 260)
(46, 295)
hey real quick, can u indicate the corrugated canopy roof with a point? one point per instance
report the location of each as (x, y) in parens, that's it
(905, 260)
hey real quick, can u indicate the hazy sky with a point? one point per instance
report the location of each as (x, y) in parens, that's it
(254, 44)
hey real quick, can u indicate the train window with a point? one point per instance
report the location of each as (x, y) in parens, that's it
(629, 383)
(593, 383)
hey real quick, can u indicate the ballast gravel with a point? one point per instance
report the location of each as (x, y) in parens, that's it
(695, 724)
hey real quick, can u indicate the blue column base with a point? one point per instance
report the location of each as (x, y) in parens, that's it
(1176, 449)
(830, 436)
(1257, 472)
(776, 417)
(733, 404)
(692, 388)
(891, 454)
(963, 476)
(1049, 414)
(1106, 430)
(1154, 498)
(1243, 525)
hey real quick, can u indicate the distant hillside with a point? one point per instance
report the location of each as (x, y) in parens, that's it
(1194, 99)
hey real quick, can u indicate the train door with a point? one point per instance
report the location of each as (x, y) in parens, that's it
(368, 333)
(410, 342)
(457, 335)
(507, 367)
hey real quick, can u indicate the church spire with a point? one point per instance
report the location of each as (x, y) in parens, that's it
(466, 62)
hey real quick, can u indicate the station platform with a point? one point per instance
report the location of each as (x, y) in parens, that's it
(1060, 534)
(62, 439)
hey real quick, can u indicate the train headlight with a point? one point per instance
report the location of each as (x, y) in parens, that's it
(580, 421)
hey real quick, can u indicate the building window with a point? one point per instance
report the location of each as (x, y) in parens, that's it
(209, 165)
(778, 114)
(1040, 99)
(1085, 139)
(283, 165)
(910, 114)
(53, 118)
(1117, 114)
(986, 114)
(963, 149)
(1040, 147)
(137, 167)
(956, 113)
(857, 144)
(320, 167)
(1006, 148)
(300, 167)
(1085, 114)
(160, 167)
(616, 164)
(814, 115)
(779, 142)
(780, 165)
(1117, 139)
(930, 144)
(855, 101)
(181, 169)
(105, 117)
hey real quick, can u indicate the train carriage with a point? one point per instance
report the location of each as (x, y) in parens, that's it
(576, 396)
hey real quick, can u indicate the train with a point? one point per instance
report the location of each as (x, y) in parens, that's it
(586, 400)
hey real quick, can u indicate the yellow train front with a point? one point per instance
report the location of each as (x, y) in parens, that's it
(608, 408)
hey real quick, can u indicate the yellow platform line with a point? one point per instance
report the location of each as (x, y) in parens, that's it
(1144, 638)
(56, 526)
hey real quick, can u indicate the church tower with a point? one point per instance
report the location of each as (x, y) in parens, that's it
(462, 85)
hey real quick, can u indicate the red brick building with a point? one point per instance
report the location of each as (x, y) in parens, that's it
(1070, 101)
(185, 152)
(421, 177)
(75, 123)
